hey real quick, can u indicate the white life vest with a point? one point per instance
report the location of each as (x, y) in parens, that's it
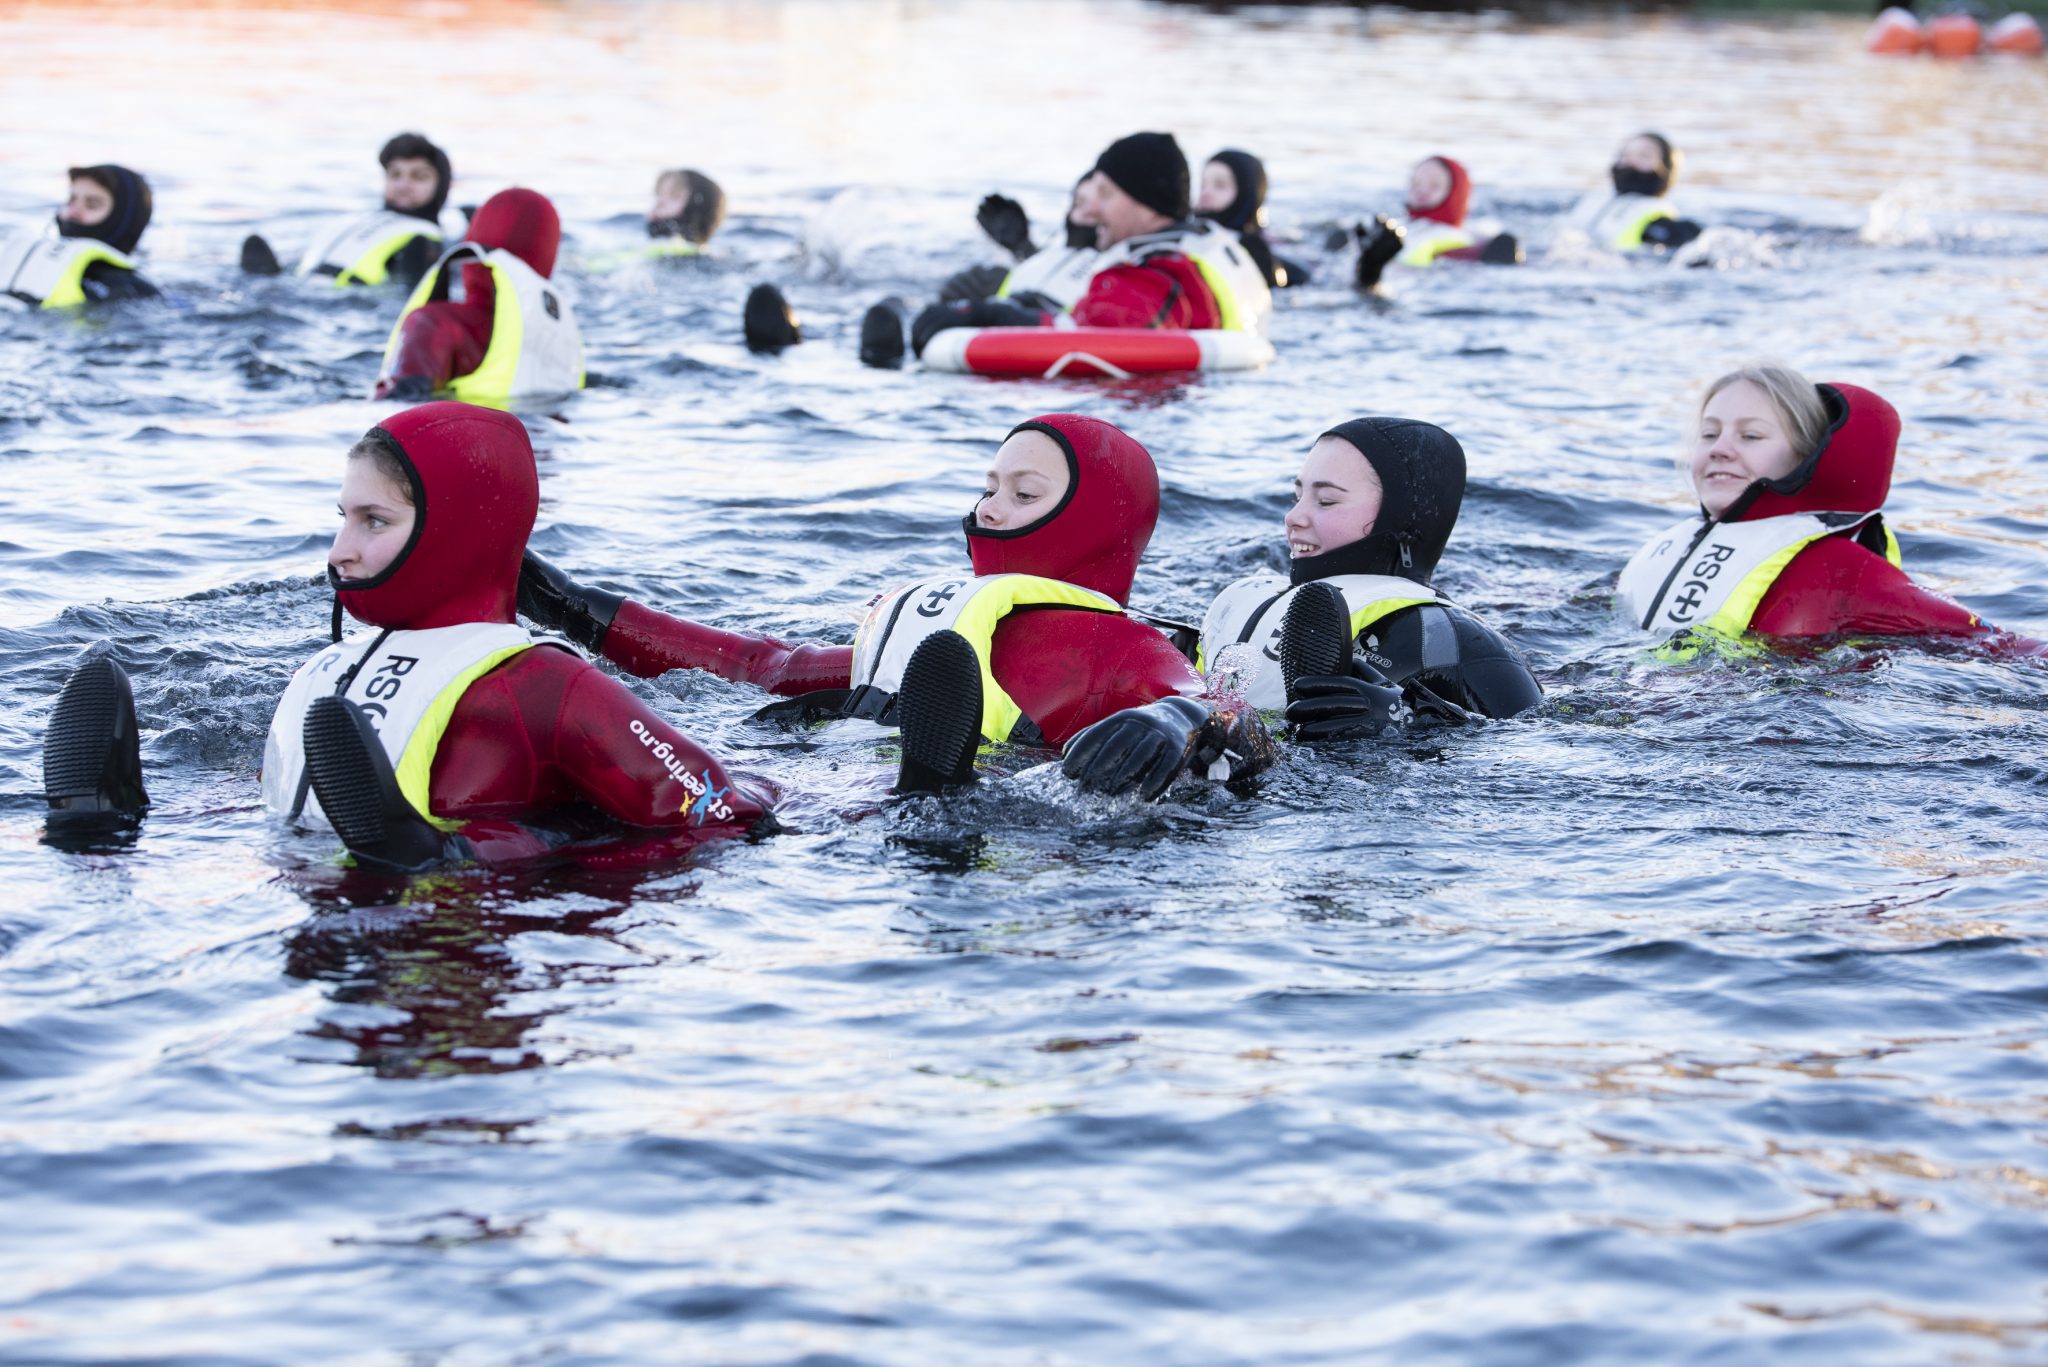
(535, 346)
(49, 271)
(1242, 295)
(1617, 221)
(1711, 576)
(1059, 272)
(1251, 612)
(357, 248)
(900, 619)
(408, 683)
(1425, 239)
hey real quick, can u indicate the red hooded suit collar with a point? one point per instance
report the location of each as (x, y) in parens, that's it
(1849, 472)
(475, 496)
(521, 222)
(1098, 531)
(1452, 209)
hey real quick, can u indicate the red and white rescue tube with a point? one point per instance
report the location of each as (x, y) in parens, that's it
(1105, 353)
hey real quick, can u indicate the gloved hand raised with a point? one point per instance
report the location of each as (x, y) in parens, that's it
(1344, 706)
(552, 599)
(1004, 220)
(1377, 245)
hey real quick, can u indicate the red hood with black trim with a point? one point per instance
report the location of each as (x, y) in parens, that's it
(1452, 209)
(1096, 534)
(1849, 472)
(475, 496)
(521, 222)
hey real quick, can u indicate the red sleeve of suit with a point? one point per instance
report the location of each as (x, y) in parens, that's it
(644, 642)
(1166, 290)
(547, 729)
(1836, 585)
(444, 338)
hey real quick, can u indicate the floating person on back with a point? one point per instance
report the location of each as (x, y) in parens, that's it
(1789, 541)
(1233, 193)
(1439, 189)
(445, 731)
(1158, 268)
(1637, 216)
(397, 242)
(1355, 635)
(487, 324)
(1034, 646)
(688, 207)
(91, 260)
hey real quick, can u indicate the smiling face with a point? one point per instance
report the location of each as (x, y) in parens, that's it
(1219, 189)
(1115, 216)
(1027, 481)
(1336, 499)
(1742, 438)
(1429, 184)
(410, 183)
(89, 204)
(376, 521)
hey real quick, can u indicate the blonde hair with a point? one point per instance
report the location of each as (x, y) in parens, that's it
(1792, 394)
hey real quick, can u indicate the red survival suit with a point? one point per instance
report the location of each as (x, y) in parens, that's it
(1450, 211)
(1065, 668)
(445, 338)
(546, 728)
(1164, 289)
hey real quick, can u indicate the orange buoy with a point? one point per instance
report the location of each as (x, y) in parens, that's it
(1896, 32)
(2018, 33)
(1953, 35)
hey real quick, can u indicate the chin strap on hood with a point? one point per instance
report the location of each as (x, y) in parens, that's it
(1849, 472)
(1098, 531)
(1655, 184)
(1248, 210)
(419, 147)
(1422, 484)
(122, 228)
(475, 495)
(1451, 208)
(522, 222)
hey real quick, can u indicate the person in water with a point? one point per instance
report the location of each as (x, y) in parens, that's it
(1790, 541)
(397, 242)
(445, 732)
(91, 260)
(1637, 216)
(1355, 636)
(1157, 268)
(487, 324)
(1233, 193)
(1034, 644)
(688, 207)
(1439, 190)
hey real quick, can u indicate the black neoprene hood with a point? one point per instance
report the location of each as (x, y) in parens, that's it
(1422, 484)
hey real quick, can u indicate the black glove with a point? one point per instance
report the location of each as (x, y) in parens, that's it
(405, 388)
(1343, 706)
(552, 599)
(1004, 220)
(1377, 245)
(1671, 233)
(1143, 748)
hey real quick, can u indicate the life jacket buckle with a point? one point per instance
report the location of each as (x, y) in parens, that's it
(870, 703)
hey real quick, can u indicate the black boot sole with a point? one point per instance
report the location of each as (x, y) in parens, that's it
(882, 344)
(358, 791)
(769, 323)
(92, 752)
(1315, 639)
(939, 709)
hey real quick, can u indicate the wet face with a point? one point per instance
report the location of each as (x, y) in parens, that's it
(1219, 189)
(376, 521)
(1429, 184)
(89, 204)
(671, 197)
(1742, 438)
(1027, 481)
(410, 183)
(1641, 154)
(1114, 215)
(1336, 499)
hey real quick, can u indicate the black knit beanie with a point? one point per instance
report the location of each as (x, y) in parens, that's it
(1149, 168)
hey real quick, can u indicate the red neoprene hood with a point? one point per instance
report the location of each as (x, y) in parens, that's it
(1849, 472)
(475, 494)
(1099, 529)
(521, 222)
(1451, 209)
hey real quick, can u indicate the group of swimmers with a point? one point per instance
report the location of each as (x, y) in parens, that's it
(448, 731)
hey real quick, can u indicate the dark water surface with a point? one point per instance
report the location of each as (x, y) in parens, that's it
(1699, 1019)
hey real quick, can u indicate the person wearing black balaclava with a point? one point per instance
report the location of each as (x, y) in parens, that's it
(1355, 636)
(1233, 193)
(90, 260)
(398, 242)
(1637, 216)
